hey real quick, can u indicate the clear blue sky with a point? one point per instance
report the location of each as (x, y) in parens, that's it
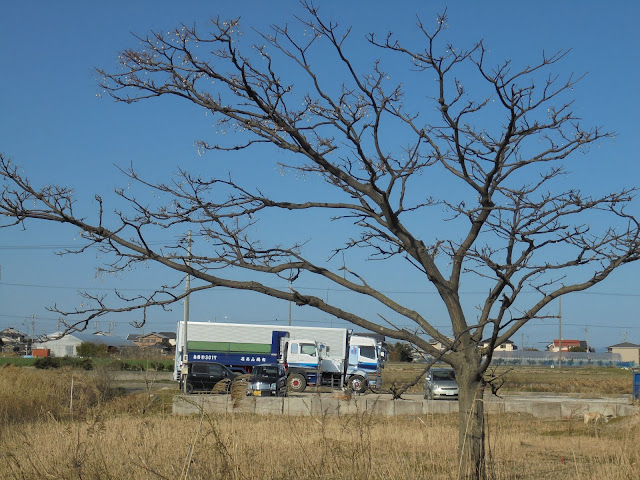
(54, 124)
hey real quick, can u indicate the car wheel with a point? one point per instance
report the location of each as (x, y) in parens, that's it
(189, 387)
(358, 384)
(297, 383)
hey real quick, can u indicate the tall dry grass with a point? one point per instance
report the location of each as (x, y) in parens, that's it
(116, 439)
(28, 394)
(269, 447)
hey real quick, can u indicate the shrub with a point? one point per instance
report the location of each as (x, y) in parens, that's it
(47, 362)
(400, 352)
(92, 350)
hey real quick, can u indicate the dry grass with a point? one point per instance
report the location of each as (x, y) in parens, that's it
(357, 447)
(600, 381)
(27, 394)
(135, 437)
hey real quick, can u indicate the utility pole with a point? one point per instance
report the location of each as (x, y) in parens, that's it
(187, 287)
(586, 334)
(560, 332)
(290, 291)
(28, 348)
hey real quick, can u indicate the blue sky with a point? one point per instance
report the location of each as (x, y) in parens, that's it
(54, 123)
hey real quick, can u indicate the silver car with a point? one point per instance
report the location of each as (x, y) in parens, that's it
(440, 383)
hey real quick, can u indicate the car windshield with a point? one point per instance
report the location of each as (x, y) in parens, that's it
(444, 375)
(265, 371)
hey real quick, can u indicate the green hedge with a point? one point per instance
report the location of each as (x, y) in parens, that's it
(57, 362)
(90, 363)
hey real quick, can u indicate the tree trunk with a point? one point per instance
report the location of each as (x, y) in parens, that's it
(471, 441)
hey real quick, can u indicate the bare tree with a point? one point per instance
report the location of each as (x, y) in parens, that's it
(499, 135)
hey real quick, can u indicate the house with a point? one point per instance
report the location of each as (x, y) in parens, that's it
(418, 354)
(439, 345)
(13, 341)
(506, 346)
(568, 344)
(155, 338)
(630, 352)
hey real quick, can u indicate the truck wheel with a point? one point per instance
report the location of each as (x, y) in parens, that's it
(358, 384)
(189, 387)
(297, 382)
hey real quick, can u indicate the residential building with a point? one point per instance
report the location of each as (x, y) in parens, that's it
(13, 341)
(439, 345)
(568, 344)
(506, 346)
(630, 352)
(132, 337)
(154, 338)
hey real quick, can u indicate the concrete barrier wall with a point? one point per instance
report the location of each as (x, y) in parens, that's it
(323, 405)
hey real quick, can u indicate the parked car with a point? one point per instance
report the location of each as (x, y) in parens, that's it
(440, 382)
(205, 376)
(268, 380)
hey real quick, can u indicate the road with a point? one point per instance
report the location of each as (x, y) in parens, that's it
(133, 382)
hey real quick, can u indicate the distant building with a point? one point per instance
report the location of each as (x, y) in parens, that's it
(154, 338)
(132, 337)
(439, 345)
(568, 344)
(60, 344)
(13, 341)
(630, 352)
(418, 354)
(506, 346)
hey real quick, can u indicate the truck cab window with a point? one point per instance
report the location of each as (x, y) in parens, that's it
(308, 349)
(368, 352)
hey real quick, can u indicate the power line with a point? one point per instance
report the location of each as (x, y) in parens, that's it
(62, 287)
(71, 246)
(323, 289)
(309, 320)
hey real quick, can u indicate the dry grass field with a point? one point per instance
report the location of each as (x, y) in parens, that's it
(105, 436)
(593, 380)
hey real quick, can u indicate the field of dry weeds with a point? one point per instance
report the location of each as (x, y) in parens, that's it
(107, 436)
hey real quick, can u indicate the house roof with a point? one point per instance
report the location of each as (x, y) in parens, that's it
(503, 343)
(11, 332)
(625, 345)
(171, 335)
(567, 341)
(167, 335)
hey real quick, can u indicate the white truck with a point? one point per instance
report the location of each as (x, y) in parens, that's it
(312, 355)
